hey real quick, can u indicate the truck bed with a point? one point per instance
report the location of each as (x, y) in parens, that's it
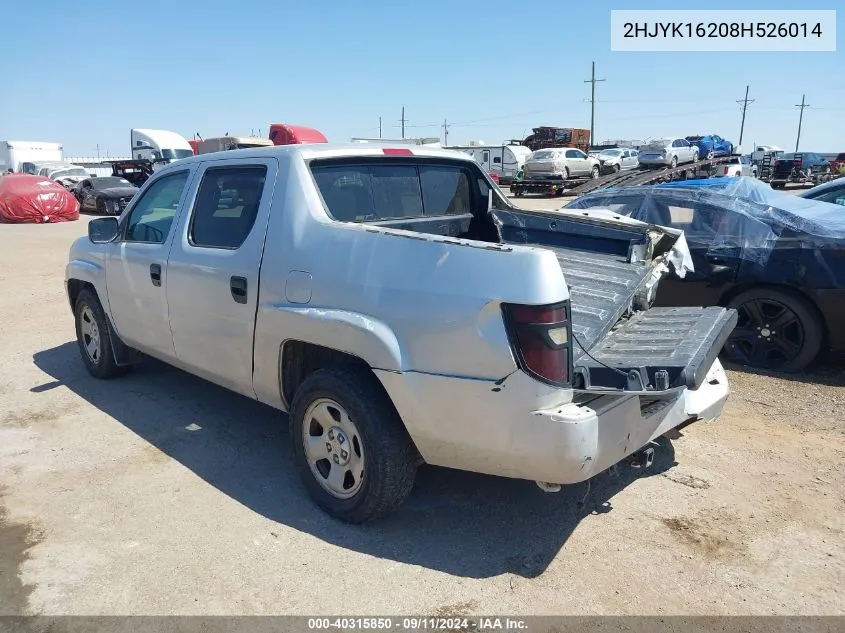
(601, 286)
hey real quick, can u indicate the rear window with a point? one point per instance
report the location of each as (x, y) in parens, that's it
(370, 193)
(840, 156)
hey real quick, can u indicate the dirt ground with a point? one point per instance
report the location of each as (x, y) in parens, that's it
(158, 493)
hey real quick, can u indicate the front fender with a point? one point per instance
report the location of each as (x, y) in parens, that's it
(88, 268)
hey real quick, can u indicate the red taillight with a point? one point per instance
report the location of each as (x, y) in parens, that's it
(397, 151)
(727, 169)
(540, 338)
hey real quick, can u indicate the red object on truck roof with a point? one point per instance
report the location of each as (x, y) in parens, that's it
(35, 200)
(194, 145)
(284, 134)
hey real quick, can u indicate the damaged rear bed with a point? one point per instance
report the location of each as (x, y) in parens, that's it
(621, 342)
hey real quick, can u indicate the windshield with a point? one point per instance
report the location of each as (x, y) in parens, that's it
(693, 139)
(111, 182)
(73, 172)
(661, 144)
(546, 154)
(611, 152)
(176, 154)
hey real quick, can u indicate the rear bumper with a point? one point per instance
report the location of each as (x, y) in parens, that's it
(489, 428)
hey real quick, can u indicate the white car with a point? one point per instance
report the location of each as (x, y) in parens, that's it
(736, 166)
(563, 162)
(618, 159)
(668, 152)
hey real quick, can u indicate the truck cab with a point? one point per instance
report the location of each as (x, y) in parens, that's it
(160, 147)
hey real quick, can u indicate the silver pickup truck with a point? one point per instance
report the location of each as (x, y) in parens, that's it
(402, 311)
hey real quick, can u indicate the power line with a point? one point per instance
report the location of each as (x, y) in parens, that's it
(800, 119)
(593, 81)
(744, 103)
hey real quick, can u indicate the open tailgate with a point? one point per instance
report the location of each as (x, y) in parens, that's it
(660, 349)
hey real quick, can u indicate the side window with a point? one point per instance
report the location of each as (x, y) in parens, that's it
(152, 216)
(572, 153)
(226, 206)
(485, 156)
(497, 160)
(445, 191)
(836, 196)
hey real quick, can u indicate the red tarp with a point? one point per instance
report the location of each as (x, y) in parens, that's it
(35, 199)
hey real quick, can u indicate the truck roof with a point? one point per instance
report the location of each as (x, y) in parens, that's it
(328, 150)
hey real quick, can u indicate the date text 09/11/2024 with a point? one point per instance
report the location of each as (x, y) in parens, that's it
(722, 29)
(422, 623)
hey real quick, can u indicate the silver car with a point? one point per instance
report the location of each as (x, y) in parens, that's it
(668, 152)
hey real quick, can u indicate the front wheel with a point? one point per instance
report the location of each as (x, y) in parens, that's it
(352, 451)
(674, 162)
(775, 330)
(594, 173)
(616, 168)
(94, 337)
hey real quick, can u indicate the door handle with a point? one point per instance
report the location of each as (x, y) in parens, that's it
(155, 274)
(238, 287)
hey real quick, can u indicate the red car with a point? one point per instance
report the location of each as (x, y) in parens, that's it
(494, 176)
(837, 165)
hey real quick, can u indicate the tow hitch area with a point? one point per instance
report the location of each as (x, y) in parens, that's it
(643, 458)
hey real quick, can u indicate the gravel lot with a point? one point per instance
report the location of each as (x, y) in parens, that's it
(159, 493)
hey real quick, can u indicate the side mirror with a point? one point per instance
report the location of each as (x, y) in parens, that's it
(103, 230)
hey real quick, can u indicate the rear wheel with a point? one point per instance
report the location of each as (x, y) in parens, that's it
(776, 330)
(101, 206)
(352, 451)
(674, 162)
(566, 173)
(594, 173)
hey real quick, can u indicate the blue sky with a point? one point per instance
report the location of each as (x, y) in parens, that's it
(84, 72)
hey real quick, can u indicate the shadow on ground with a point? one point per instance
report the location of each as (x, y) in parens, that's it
(456, 522)
(828, 369)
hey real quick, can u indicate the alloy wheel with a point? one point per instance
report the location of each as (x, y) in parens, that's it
(769, 334)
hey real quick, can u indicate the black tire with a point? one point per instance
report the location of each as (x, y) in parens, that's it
(710, 154)
(566, 173)
(695, 157)
(101, 207)
(794, 328)
(594, 172)
(674, 162)
(101, 364)
(616, 168)
(390, 458)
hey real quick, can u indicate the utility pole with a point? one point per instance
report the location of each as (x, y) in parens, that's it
(379, 127)
(593, 81)
(744, 103)
(800, 119)
(403, 120)
(445, 133)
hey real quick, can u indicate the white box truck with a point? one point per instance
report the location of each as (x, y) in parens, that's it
(503, 160)
(13, 153)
